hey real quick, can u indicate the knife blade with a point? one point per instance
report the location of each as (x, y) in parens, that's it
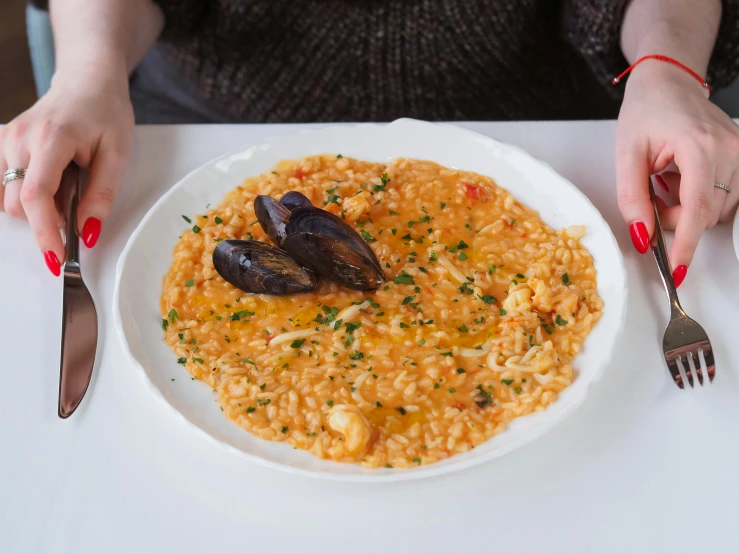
(79, 316)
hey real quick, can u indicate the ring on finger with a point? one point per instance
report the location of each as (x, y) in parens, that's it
(13, 174)
(722, 187)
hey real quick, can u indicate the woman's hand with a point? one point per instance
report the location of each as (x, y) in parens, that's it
(87, 118)
(666, 117)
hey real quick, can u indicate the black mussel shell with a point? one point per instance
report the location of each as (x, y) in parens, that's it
(272, 216)
(330, 247)
(260, 268)
(293, 200)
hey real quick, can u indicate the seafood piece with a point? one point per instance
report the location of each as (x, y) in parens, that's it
(331, 248)
(293, 200)
(260, 268)
(272, 216)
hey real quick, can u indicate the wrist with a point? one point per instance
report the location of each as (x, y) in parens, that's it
(669, 39)
(92, 76)
(655, 74)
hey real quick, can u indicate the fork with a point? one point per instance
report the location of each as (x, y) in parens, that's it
(686, 346)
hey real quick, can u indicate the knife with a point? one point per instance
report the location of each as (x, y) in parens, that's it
(79, 317)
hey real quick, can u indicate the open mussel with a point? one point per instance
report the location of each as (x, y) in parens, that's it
(272, 216)
(330, 247)
(257, 267)
(293, 200)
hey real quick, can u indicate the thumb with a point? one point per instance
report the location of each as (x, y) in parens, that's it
(106, 173)
(632, 183)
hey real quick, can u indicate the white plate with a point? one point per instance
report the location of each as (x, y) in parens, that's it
(736, 234)
(148, 255)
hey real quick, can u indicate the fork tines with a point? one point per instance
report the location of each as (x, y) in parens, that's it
(684, 364)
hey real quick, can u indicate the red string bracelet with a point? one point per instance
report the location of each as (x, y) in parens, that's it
(693, 74)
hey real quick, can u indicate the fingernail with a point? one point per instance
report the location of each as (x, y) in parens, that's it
(639, 236)
(52, 262)
(91, 231)
(661, 182)
(678, 276)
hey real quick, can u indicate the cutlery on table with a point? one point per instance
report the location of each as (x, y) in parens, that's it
(79, 317)
(686, 346)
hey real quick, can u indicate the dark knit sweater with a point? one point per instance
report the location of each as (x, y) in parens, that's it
(376, 60)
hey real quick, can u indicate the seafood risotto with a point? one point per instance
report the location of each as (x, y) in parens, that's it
(483, 310)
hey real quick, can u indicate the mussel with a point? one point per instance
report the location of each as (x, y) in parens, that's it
(260, 268)
(330, 247)
(293, 200)
(272, 216)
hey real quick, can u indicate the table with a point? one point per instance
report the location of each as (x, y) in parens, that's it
(640, 467)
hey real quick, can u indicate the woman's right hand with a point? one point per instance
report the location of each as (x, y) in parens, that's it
(87, 119)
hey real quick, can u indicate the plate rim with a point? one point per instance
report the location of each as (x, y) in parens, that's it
(376, 475)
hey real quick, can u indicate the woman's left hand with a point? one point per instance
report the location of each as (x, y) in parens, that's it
(666, 117)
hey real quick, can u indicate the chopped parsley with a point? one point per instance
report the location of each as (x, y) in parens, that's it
(283, 429)
(559, 321)
(236, 316)
(518, 390)
(218, 220)
(566, 279)
(330, 402)
(491, 270)
(190, 283)
(195, 229)
(181, 360)
(503, 312)
(172, 315)
(165, 324)
(366, 236)
(356, 356)
(460, 370)
(508, 382)
(404, 279)
(466, 289)
(462, 245)
(452, 390)
(488, 299)
(350, 327)
(417, 461)
(462, 256)
(297, 343)
(408, 299)
(463, 328)
(187, 219)
(432, 256)
(442, 205)
(250, 409)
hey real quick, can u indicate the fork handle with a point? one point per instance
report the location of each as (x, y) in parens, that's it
(660, 256)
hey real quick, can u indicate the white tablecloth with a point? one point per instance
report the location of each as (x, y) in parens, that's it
(640, 467)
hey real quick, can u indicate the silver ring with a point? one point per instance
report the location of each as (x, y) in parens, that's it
(722, 187)
(13, 174)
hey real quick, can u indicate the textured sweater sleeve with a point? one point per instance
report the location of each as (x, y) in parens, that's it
(593, 27)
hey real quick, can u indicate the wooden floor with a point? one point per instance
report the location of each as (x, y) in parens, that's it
(17, 90)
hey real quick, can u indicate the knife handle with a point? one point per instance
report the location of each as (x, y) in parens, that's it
(70, 193)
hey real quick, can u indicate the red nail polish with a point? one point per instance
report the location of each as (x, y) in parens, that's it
(639, 236)
(91, 231)
(661, 182)
(678, 276)
(52, 262)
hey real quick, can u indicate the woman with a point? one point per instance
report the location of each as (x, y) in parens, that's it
(339, 60)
